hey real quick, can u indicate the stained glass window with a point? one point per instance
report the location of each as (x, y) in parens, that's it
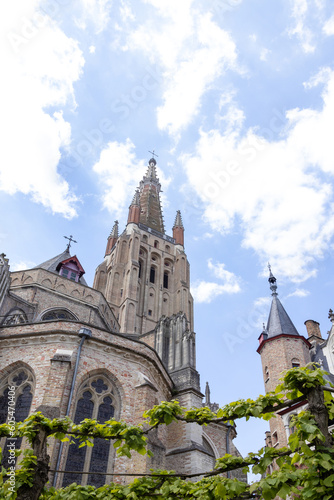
(96, 400)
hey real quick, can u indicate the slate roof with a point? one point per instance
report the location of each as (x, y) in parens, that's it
(52, 264)
(279, 320)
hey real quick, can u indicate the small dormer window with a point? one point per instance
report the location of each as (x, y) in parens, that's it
(71, 269)
(69, 273)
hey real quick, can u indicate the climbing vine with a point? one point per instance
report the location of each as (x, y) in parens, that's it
(304, 468)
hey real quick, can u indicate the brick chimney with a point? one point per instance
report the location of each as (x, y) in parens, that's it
(313, 331)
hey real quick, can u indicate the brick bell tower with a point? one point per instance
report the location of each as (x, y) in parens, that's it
(145, 277)
(281, 348)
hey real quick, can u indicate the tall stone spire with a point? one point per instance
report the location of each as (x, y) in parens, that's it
(178, 229)
(279, 321)
(150, 206)
(134, 208)
(112, 238)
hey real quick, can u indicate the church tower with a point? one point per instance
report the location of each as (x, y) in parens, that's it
(145, 273)
(281, 348)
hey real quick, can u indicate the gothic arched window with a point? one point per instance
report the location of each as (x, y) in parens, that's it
(97, 400)
(16, 392)
(152, 274)
(58, 314)
(15, 317)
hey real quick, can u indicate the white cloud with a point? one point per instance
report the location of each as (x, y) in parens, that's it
(96, 12)
(300, 9)
(264, 54)
(192, 51)
(204, 291)
(299, 292)
(272, 187)
(42, 64)
(328, 28)
(92, 49)
(21, 265)
(262, 301)
(119, 173)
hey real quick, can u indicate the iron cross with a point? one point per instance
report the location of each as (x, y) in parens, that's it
(154, 154)
(70, 241)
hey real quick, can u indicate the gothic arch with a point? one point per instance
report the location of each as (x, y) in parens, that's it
(55, 314)
(210, 447)
(17, 386)
(47, 283)
(98, 397)
(15, 316)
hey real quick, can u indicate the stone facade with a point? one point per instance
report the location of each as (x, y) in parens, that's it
(140, 349)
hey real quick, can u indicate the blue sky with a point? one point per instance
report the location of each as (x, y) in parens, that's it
(237, 99)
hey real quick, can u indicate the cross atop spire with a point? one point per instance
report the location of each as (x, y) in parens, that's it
(69, 242)
(153, 154)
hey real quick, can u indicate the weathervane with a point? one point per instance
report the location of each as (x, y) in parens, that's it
(70, 241)
(154, 154)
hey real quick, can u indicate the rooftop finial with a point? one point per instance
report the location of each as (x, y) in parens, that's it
(136, 198)
(272, 281)
(207, 394)
(69, 242)
(178, 219)
(114, 231)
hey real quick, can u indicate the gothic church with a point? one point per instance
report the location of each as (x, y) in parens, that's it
(111, 350)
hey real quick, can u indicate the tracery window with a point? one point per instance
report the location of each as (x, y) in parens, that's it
(16, 392)
(97, 400)
(15, 317)
(58, 314)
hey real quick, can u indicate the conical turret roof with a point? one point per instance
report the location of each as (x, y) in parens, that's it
(279, 321)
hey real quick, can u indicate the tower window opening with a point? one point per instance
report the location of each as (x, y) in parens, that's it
(150, 312)
(139, 273)
(152, 275)
(165, 280)
(156, 244)
(295, 363)
(121, 292)
(266, 372)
